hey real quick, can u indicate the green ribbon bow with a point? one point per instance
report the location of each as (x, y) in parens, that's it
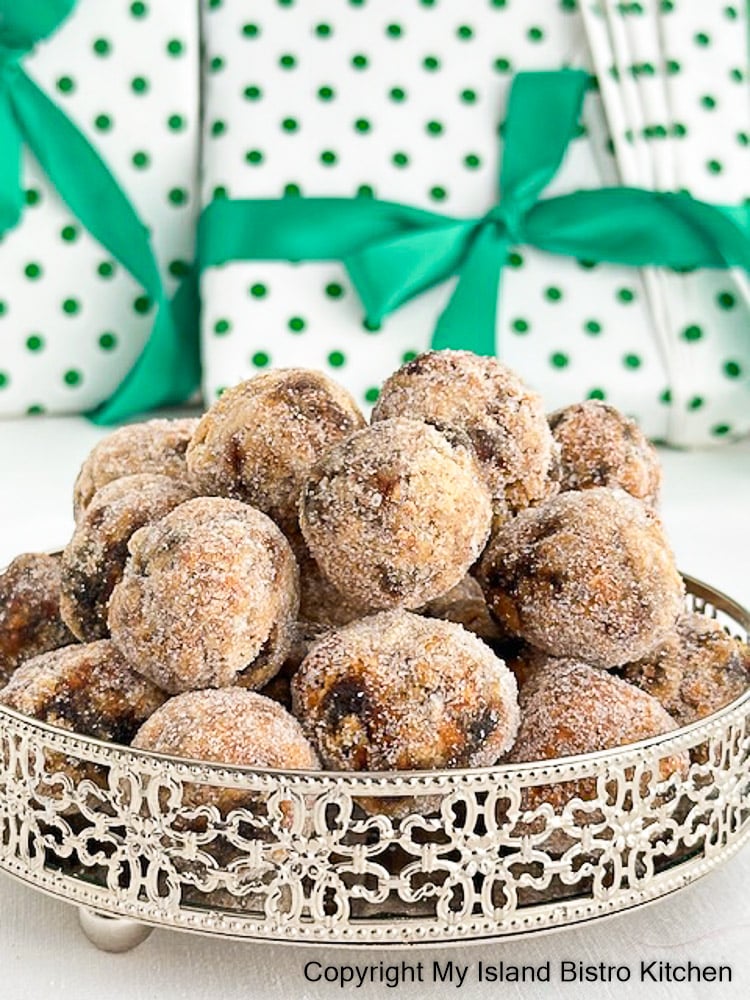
(167, 369)
(393, 252)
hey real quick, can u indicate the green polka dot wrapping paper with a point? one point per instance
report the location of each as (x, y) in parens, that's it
(405, 102)
(73, 321)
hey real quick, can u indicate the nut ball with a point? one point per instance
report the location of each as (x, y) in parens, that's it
(260, 439)
(94, 559)
(504, 420)
(599, 446)
(230, 726)
(586, 575)
(87, 689)
(156, 446)
(30, 621)
(396, 514)
(397, 692)
(209, 597)
(697, 670)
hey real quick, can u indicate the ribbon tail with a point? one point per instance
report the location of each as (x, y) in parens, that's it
(388, 273)
(469, 320)
(11, 195)
(173, 348)
(165, 371)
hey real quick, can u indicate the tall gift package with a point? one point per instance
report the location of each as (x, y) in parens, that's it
(383, 177)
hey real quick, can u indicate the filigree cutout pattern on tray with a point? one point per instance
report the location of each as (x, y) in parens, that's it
(480, 853)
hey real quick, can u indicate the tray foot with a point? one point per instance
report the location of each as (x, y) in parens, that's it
(113, 934)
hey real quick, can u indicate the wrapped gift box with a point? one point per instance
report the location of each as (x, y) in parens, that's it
(405, 103)
(72, 319)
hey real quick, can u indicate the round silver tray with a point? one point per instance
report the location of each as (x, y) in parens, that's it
(117, 832)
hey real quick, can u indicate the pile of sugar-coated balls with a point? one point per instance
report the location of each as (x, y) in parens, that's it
(464, 580)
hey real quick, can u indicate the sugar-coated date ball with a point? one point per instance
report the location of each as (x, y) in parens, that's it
(465, 605)
(279, 688)
(156, 446)
(94, 558)
(527, 663)
(599, 446)
(209, 597)
(398, 692)
(88, 689)
(30, 621)
(504, 420)
(697, 670)
(230, 726)
(570, 708)
(320, 602)
(259, 440)
(587, 575)
(396, 514)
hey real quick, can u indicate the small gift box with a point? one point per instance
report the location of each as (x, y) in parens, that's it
(354, 217)
(98, 177)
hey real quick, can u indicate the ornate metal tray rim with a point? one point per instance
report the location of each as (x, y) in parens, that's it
(100, 919)
(115, 919)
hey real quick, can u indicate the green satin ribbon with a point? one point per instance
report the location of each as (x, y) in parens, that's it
(393, 252)
(167, 370)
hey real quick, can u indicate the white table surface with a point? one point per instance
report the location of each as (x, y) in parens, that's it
(43, 954)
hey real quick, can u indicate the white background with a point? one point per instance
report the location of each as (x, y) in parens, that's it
(44, 955)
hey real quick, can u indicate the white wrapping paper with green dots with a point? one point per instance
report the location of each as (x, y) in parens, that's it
(404, 101)
(72, 320)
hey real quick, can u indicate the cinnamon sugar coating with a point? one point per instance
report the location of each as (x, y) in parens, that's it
(465, 605)
(697, 670)
(396, 691)
(279, 688)
(599, 446)
(230, 726)
(155, 446)
(527, 664)
(396, 514)
(260, 439)
(571, 708)
(504, 420)
(587, 575)
(30, 621)
(320, 602)
(208, 598)
(87, 689)
(94, 559)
